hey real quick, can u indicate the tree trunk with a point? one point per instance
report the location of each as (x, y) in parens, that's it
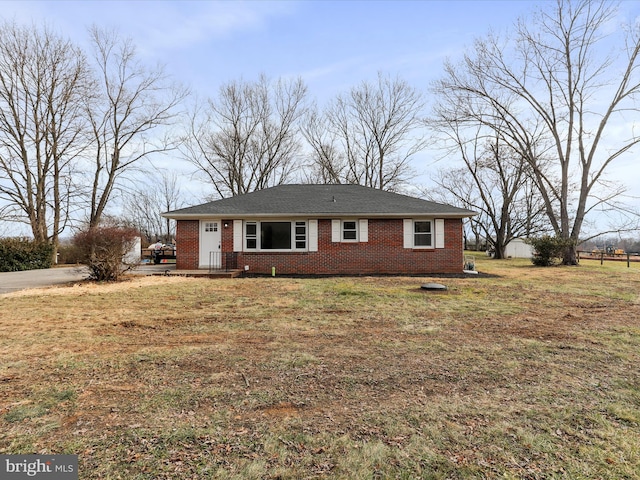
(499, 252)
(570, 256)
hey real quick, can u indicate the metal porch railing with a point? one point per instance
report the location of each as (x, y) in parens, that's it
(223, 261)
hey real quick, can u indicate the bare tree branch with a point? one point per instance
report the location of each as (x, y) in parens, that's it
(128, 112)
(368, 136)
(43, 79)
(246, 139)
(549, 89)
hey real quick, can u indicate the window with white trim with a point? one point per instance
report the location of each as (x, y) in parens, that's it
(425, 233)
(211, 226)
(276, 235)
(349, 231)
(251, 235)
(301, 235)
(422, 234)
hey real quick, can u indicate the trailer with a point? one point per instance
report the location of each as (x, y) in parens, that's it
(159, 253)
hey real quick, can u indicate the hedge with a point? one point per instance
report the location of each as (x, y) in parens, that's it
(17, 254)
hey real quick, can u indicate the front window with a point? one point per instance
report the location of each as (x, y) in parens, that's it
(422, 234)
(276, 235)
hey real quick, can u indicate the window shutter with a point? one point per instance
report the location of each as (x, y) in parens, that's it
(313, 235)
(237, 235)
(363, 233)
(407, 226)
(439, 226)
(335, 230)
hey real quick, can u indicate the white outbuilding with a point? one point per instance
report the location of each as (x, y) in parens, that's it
(517, 248)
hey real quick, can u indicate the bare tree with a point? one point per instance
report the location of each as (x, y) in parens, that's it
(552, 81)
(129, 111)
(144, 206)
(495, 181)
(43, 79)
(246, 139)
(368, 136)
(327, 163)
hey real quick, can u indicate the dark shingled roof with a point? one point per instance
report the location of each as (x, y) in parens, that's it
(319, 201)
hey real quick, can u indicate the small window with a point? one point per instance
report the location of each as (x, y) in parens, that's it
(211, 226)
(349, 230)
(252, 235)
(422, 234)
(301, 235)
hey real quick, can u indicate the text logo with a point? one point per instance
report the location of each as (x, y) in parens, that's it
(49, 467)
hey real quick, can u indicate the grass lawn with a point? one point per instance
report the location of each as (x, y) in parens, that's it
(520, 372)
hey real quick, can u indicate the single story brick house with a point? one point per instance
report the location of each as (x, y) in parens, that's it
(321, 230)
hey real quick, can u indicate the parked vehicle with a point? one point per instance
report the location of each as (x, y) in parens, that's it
(159, 253)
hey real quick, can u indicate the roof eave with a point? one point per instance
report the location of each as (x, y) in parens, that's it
(197, 216)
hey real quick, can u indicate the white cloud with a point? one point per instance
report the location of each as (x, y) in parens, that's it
(185, 24)
(155, 26)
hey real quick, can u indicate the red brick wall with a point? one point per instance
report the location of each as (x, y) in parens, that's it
(382, 254)
(226, 242)
(187, 244)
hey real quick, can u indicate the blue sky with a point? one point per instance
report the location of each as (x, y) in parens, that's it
(333, 45)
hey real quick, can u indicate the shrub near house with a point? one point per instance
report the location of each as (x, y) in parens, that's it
(322, 230)
(104, 249)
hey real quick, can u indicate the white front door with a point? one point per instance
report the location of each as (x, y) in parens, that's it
(210, 243)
